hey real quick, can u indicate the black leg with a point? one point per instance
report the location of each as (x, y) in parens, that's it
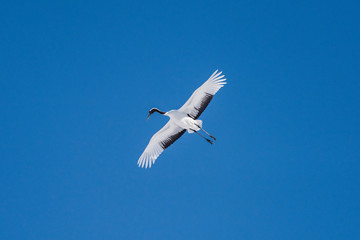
(206, 132)
(208, 140)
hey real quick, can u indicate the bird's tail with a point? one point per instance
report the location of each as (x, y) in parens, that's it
(197, 124)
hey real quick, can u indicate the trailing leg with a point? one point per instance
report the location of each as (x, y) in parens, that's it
(206, 132)
(208, 140)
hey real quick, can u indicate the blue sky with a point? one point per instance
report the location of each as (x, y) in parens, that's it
(77, 80)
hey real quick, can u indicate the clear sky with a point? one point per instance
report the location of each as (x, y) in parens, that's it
(77, 79)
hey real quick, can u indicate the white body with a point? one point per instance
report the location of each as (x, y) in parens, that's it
(182, 120)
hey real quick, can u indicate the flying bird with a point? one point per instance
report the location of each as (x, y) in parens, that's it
(185, 118)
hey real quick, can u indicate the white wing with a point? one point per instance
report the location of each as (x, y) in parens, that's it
(203, 95)
(159, 142)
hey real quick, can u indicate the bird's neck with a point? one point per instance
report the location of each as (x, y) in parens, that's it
(157, 110)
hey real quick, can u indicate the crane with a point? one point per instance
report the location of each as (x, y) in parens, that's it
(185, 118)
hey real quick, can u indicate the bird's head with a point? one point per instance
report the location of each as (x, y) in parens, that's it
(151, 111)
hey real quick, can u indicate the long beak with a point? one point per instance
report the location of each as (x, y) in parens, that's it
(148, 117)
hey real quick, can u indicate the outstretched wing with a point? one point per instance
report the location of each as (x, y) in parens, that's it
(159, 142)
(201, 98)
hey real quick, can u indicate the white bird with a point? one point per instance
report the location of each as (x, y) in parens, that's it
(182, 119)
